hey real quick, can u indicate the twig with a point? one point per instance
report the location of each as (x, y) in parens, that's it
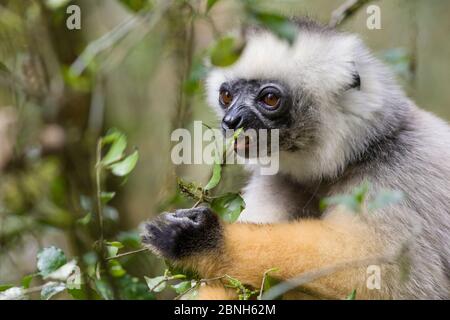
(197, 203)
(347, 9)
(263, 282)
(34, 289)
(127, 253)
(98, 170)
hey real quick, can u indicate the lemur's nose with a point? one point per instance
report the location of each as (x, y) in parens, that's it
(232, 122)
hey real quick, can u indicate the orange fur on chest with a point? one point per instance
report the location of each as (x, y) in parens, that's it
(294, 248)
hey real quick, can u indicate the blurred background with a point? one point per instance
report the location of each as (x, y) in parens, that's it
(137, 65)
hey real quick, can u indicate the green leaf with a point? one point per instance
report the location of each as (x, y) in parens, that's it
(115, 152)
(210, 4)
(63, 272)
(52, 288)
(115, 269)
(106, 196)
(113, 248)
(182, 287)
(26, 281)
(216, 176)
(351, 296)
(104, 289)
(116, 244)
(112, 251)
(217, 168)
(125, 166)
(85, 220)
(4, 287)
(225, 52)
(78, 294)
(80, 83)
(178, 276)
(279, 25)
(156, 284)
(385, 198)
(228, 206)
(49, 260)
(111, 136)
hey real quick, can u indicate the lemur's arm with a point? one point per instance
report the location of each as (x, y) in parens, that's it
(195, 238)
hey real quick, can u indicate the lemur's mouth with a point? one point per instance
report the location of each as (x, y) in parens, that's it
(242, 143)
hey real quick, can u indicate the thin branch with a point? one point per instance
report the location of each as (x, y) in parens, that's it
(345, 11)
(98, 170)
(118, 33)
(127, 253)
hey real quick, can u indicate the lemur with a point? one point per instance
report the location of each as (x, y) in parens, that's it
(342, 120)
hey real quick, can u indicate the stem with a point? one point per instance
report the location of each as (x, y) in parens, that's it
(127, 253)
(98, 170)
(101, 252)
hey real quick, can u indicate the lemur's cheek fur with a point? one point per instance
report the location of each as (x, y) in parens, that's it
(183, 233)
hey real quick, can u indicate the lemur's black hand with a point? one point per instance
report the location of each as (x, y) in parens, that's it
(183, 233)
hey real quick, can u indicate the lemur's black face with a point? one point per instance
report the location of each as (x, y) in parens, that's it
(254, 104)
(268, 104)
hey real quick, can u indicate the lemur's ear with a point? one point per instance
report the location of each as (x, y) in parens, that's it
(356, 83)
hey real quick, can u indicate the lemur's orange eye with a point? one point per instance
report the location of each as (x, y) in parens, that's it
(226, 97)
(271, 99)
